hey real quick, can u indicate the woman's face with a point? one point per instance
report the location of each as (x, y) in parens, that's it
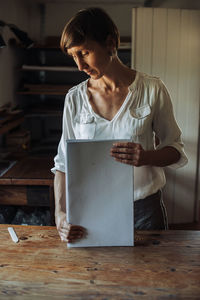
(92, 58)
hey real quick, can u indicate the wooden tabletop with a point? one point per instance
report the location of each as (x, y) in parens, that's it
(162, 265)
(31, 170)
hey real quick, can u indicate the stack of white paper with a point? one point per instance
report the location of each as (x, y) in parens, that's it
(99, 194)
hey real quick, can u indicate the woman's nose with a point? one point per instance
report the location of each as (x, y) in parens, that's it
(80, 64)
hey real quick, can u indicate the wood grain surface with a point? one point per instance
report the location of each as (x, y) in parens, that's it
(11, 195)
(31, 170)
(162, 265)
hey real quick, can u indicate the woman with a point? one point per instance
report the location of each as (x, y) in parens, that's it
(116, 102)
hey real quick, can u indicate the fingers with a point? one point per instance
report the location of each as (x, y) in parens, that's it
(70, 233)
(75, 233)
(123, 150)
(123, 156)
(126, 161)
(124, 144)
(127, 153)
(71, 238)
(126, 148)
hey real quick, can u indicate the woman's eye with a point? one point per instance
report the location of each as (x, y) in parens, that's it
(85, 53)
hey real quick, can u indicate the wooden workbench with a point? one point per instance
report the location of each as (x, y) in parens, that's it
(162, 265)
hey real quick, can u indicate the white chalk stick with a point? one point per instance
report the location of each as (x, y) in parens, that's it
(13, 235)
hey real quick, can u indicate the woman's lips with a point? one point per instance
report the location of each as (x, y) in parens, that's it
(89, 72)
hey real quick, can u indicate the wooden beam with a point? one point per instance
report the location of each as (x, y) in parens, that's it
(153, 3)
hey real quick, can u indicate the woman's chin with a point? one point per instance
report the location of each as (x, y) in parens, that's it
(95, 75)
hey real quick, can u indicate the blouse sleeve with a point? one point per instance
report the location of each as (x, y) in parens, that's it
(166, 127)
(67, 133)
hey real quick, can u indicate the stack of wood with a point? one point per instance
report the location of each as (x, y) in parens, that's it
(19, 138)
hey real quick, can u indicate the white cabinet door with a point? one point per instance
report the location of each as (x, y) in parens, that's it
(166, 43)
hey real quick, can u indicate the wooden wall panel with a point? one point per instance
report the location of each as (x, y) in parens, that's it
(159, 42)
(142, 49)
(171, 79)
(187, 111)
(167, 44)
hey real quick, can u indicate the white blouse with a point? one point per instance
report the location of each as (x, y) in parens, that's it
(147, 111)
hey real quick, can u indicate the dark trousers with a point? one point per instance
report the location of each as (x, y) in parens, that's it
(150, 213)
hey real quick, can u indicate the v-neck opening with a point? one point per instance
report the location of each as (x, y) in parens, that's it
(131, 87)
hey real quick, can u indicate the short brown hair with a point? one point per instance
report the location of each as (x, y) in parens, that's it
(89, 24)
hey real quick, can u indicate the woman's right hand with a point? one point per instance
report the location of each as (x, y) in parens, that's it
(68, 232)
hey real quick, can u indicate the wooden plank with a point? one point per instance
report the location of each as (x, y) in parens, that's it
(56, 42)
(49, 87)
(181, 112)
(50, 68)
(172, 53)
(172, 81)
(5, 181)
(159, 42)
(133, 40)
(31, 181)
(147, 50)
(164, 264)
(32, 195)
(194, 109)
(31, 169)
(143, 39)
(13, 195)
(45, 89)
(42, 93)
(10, 125)
(188, 114)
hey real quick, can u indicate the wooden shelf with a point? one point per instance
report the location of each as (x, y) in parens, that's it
(43, 110)
(11, 124)
(44, 89)
(31, 170)
(123, 45)
(50, 68)
(19, 185)
(56, 93)
(46, 113)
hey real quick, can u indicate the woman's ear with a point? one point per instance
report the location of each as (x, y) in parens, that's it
(110, 44)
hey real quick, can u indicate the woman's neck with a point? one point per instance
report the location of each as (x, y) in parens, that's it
(116, 76)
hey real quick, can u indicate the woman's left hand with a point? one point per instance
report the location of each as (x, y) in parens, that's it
(129, 153)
